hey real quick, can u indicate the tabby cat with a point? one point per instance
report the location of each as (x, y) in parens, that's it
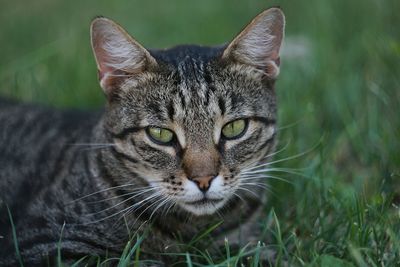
(177, 149)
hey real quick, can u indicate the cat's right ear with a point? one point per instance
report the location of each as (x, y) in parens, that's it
(259, 44)
(118, 55)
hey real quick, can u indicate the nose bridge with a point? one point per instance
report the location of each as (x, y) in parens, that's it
(198, 163)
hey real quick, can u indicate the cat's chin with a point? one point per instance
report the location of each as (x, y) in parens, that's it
(203, 207)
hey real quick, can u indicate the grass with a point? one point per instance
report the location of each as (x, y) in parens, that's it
(343, 94)
(14, 234)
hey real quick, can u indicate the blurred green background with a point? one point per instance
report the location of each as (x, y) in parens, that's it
(339, 89)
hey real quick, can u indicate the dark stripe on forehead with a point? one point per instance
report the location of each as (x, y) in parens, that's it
(191, 71)
(171, 110)
(221, 105)
(237, 99)
(177, 79)
(182, 99)
(154, 107)
(196, 70)
(207, 77)
(209, 82)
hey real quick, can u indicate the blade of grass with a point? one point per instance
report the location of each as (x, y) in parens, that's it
(14, 234)
(59, 262)
(188, 260)
(205, 233)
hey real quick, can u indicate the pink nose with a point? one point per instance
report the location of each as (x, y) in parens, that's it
(203, 182)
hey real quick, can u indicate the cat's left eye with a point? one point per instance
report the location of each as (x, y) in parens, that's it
(159, 135)
(234, 129)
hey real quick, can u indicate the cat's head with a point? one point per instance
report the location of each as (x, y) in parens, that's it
(190, 119)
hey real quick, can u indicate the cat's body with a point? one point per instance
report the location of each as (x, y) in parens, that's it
(95, 179)
(49, 159)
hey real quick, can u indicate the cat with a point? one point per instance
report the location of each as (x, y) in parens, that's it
(176, 149)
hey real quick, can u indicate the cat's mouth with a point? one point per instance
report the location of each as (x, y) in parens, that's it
(203, 206)
(204, 201)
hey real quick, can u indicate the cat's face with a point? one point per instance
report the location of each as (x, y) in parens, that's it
(188, 121)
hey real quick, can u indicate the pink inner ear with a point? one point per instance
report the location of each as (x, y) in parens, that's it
(105, 77)
(105, 82)
(105, 71)
(102, 60)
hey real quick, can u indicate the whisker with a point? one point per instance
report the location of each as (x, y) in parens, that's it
(120, 75)
(246, 178)
(167, 208)
(161, 198)
(137, 229)
(278, 151)
(94, 148)
(137, 205)
(217, 211)
(118, 196)
(124, 201)
(121, 211)
(294, 156)
(256, 164)
(92, 144)
(273, 170)
(261, 185)
(166, 200)
(101, 191)
(248, 190)
(269, 170)
(290, 125)
(282, 160)
(251, 166)
(237, 195)
(289, 171)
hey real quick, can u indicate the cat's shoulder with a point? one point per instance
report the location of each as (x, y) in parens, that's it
(35, 111)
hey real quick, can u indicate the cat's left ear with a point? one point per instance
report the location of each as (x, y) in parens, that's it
(117, 54)
(259, 44)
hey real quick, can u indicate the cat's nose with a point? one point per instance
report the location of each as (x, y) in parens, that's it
(203, 182)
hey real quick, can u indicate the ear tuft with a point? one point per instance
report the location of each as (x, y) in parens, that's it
(117, 54)
(260, 42)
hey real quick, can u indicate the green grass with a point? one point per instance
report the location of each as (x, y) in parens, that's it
(343, 96)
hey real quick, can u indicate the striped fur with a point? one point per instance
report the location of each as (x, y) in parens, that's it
(97, 177)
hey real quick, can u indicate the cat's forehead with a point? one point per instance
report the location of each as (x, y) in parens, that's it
(187, 88)
(194, 95)
(193, 72)
(194, 90)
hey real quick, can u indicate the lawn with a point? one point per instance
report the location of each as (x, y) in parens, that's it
(339, 115)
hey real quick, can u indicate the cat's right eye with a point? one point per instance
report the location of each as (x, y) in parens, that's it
(159, 135)
(234, 129)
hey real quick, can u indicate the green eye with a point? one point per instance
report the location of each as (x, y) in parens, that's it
(234, 129)
(160, 135)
